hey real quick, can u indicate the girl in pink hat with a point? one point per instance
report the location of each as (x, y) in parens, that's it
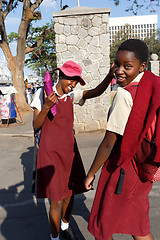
(60, 171)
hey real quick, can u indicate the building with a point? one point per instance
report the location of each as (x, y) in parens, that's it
(139, 26)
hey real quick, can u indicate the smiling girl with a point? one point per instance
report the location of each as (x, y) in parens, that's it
(60, 172)
(121, 203)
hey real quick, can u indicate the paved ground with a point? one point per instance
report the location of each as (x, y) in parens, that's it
(21, 215)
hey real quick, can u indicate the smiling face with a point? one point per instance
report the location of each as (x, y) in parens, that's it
(65, 84)
(128, 67)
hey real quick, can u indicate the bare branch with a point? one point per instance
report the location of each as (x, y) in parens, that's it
(36, 5)
(9, 7)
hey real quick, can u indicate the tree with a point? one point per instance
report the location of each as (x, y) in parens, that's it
(153, 43)
(16, 63)
(123, 34)
(44, 57)
(136, 5)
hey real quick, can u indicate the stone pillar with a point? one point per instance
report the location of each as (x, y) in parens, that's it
(154, 64)
(82, 35)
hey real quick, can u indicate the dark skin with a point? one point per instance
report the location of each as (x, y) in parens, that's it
(127, 68)
(65, 85)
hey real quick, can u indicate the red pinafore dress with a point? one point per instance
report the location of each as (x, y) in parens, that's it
(60, 171)
(127, 213)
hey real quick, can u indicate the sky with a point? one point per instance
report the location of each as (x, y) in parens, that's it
(49, 6)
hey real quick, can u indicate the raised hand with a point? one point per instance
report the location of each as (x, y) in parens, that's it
(112, 71)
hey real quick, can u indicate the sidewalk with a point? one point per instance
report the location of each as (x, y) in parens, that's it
(24, 217)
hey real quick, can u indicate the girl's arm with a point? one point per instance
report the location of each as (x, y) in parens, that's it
(101, 157)
(97, 91)
(39, 116)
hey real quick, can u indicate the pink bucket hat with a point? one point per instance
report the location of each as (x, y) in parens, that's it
(72, 69)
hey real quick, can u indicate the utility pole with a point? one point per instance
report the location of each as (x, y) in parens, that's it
(78, 3)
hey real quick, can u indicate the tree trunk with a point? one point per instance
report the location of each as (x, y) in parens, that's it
(18, 83)
(16, 64)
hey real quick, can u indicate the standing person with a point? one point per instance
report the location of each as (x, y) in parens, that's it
(121, 203)
(60, 172)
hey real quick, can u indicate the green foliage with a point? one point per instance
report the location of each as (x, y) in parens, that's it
(44, 57)
(122, 35)
(12, 37)
(153, 43)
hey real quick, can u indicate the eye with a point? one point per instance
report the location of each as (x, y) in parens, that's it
(127, 66)
(115, 64)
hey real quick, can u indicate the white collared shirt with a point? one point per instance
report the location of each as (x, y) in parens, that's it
(37, 101)
(120, 109)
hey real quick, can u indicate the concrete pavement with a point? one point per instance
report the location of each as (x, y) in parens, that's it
(22, 216)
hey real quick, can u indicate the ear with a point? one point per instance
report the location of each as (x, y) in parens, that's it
(142, 67)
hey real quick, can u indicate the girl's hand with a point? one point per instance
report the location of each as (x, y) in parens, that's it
(88, 182)
(112, 70)
(50, 101)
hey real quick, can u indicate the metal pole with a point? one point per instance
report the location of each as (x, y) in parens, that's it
(78, 3)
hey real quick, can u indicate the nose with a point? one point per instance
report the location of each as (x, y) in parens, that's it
(120, 70)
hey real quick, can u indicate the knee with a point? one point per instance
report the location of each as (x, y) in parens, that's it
(66, 200)
(55, 206)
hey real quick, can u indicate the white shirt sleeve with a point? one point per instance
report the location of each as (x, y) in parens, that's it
(77, 97)
(37, 101)
(120, 111)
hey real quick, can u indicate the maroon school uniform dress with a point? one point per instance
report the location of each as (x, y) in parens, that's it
(126, 213)
(60, 172)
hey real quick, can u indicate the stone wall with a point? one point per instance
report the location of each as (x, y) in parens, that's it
(82, 35)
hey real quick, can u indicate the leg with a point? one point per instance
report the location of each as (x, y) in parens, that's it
(67, 208)
(148, 237)
(65, 231)
(55, 216)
